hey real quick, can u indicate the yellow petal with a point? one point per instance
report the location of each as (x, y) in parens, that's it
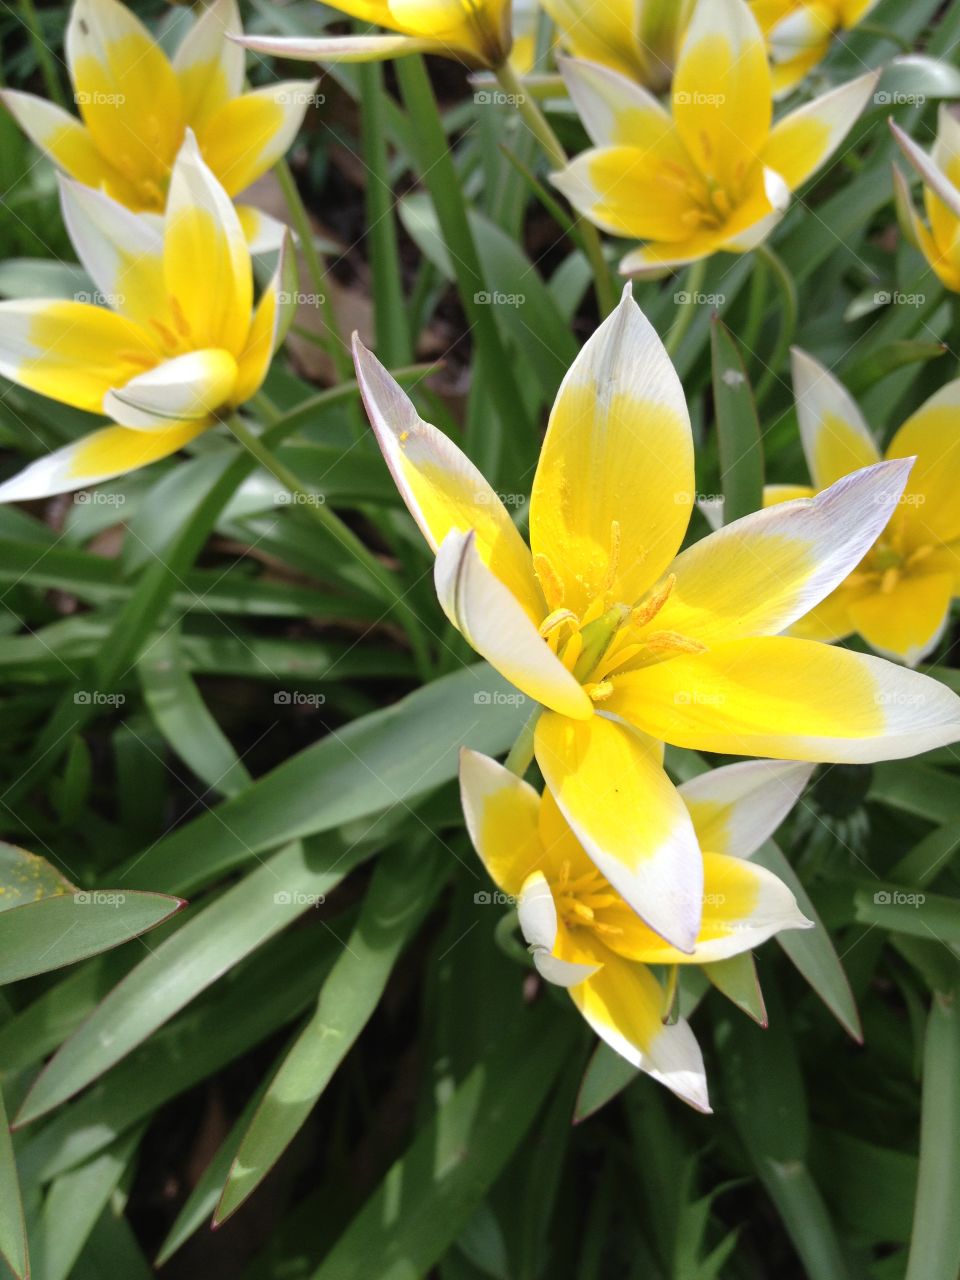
(830, 620)
(933, 435)
(71, 351)
(737, 807)
(804, 140)
(340, 48)
(836, 439)
(205, 258)
(789, 699)
(440, 485)
(722, 99)
(610, 786)
(247, 135)
(606, 36)
(209, 67)
(906, 622)
(546, 937)
(763, 572)
(614, 486)
(501, 813)
(485, 612)
(127, 93)
(623, 1003)
(187, 388)
(616, 111)
(270, 322)
(108, 452)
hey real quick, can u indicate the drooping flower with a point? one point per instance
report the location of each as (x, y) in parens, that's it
(799, 33)
(898, 597)
(940, 241)
(179, 343)
(713, 174)
(638, 38)
(476, 32)
(136, 105)
(584, 936)
(627, 644)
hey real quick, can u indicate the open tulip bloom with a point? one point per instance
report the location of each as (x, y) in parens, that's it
(799, 33)
(476, 32)
(585, 937)
(136, 106)
(713, 175)
(940, 171)
(181, 345)
(628, 645)
(898, 598)
(638, 38)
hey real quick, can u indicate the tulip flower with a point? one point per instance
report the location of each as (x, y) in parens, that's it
(638, 38)
(136, 105)
(583, 935)
(713, 175)
(178, 346)
(799, 33)
(628, 645)
(940, 242)
(476, 32)
(898, 597)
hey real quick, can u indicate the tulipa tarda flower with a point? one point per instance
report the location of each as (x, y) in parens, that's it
(627, 644)
(476, 32)
(799, 33)
(585, 937)
(940, 171)
(638, 38)
(136, 105)
(180, 345)
(713, 175)
(898, 597)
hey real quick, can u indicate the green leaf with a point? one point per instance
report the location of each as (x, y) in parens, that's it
(737, 979)
(905, 910)
(935, 1243)
(13, 1236)
(607, 1074)
(431, 1192)
(401, 892)
(738, 430)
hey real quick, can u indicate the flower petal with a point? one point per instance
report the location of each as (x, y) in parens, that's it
(610, 786)
(627, 190)
(763, 572)
(271, 320)
(790, 699)
(932, 434)
(205, 257)
(442, 488)
(264, 233)
(540, 926)
(739, 806)
(501, 813)
(110, 451)
(71, 351)
(613, 491)
(127, 93)
(209, 67)
(933, 177)
(836, 438)
(245, 136)
(908, 621)
(617, 111)
(188, 388)
(340, 48)
(623, 1003)
(489, 616)
(803, 141)
(722, 97)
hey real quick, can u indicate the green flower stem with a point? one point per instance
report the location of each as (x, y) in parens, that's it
(338, 349)
(758, 292)
(788, 319)
(48, 68)
(331, 523)
(539, 126)
(692, 284)
(520, 756)
(505, 936)
(885, 33)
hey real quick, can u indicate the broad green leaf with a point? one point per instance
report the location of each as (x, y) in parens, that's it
(904, 910)
(401, 892)
(607, 1074)
(13, 1237)
(737, 979)
(878, 1208)
(738, 430)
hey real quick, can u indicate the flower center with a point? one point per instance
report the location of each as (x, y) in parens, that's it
(580, 900)
(889, 560)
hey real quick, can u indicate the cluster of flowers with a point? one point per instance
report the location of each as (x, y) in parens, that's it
(622, 641)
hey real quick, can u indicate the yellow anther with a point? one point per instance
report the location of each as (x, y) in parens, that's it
(556, 619)
(572, 651)
(582, 911)
(653, 602)
(404, 437)
(920, 554)
(599, 691)
(674, 642)
(550, 581)
(889, 580)
(179, 319)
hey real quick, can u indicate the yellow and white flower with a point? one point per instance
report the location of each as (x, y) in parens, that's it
(178, 344)
(799, 33)
(585, 937)
(627, 644)
(939, 242)
(136, 105)
(712, 174)
(638, 38)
